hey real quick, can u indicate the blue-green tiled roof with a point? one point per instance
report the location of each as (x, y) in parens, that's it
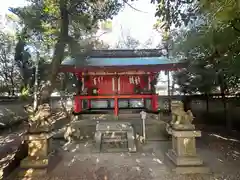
(119, 61)
(119, 58)
(127, 61)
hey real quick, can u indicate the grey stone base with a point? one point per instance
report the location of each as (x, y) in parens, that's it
(33, 163)
(31, 167)
(115, 127)
(29, 172)
(186, 169)
(184, 160)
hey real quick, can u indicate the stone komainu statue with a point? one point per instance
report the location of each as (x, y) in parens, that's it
(180, 119)
(40, 118)
(71, 133)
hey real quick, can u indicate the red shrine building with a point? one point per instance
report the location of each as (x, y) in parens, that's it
(117, 79)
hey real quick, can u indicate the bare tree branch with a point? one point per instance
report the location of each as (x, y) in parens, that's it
(133, 7)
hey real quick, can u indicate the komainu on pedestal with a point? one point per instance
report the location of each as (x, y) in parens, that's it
(183, 155)
(39, 143)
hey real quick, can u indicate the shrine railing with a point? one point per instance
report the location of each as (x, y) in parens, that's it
(78, 101)
(118, 96)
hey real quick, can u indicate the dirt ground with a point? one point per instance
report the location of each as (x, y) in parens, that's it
(77, 161)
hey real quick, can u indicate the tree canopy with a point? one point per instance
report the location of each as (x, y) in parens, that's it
(203, 34)
(207, 40)
(61, 28)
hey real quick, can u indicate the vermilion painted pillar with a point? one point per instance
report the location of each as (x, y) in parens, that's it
(77, 104)
(116, 106)
(89, 104)
(154, 102)
(80, 104)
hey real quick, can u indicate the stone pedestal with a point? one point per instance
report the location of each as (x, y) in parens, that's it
(39, 148)
(115, 128)
(183, 155)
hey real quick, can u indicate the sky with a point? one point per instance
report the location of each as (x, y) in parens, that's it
(10, 3)
(128, 22)
(131, 22)
(138, 24)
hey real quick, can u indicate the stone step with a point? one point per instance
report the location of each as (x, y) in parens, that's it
(114, 136)
(114, 150)
(112, 145)
(115, 132)
(114, 140)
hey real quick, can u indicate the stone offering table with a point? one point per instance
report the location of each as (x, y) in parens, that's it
(115, 132)
(183, 154)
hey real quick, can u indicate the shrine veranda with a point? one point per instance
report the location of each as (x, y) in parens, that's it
(118, 79)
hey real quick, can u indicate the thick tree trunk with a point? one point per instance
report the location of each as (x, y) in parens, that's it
(41, 117)
(58, 53)
(223, 88)
(207, 103)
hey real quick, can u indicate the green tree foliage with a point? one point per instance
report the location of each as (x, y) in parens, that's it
(211, 54)
(64, 25)
(9, 72)
(209, 46)
(175, 12)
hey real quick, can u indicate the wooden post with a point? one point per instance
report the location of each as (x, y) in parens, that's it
(169, 95)
(154, 102)
(117, 84)
(89, 104)
(76, 104)
(116, 107)
(116, 99)
(80, 104)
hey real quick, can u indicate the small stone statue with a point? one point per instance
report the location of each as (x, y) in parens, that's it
(70, 133)
(181, 119)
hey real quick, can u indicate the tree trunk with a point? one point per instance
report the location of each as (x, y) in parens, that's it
(12, 83)
(173, 89)
(42, 115)
(223, 88)
(207, 103)
(58, 53)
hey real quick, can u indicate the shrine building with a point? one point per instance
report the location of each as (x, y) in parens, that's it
(118, 79)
